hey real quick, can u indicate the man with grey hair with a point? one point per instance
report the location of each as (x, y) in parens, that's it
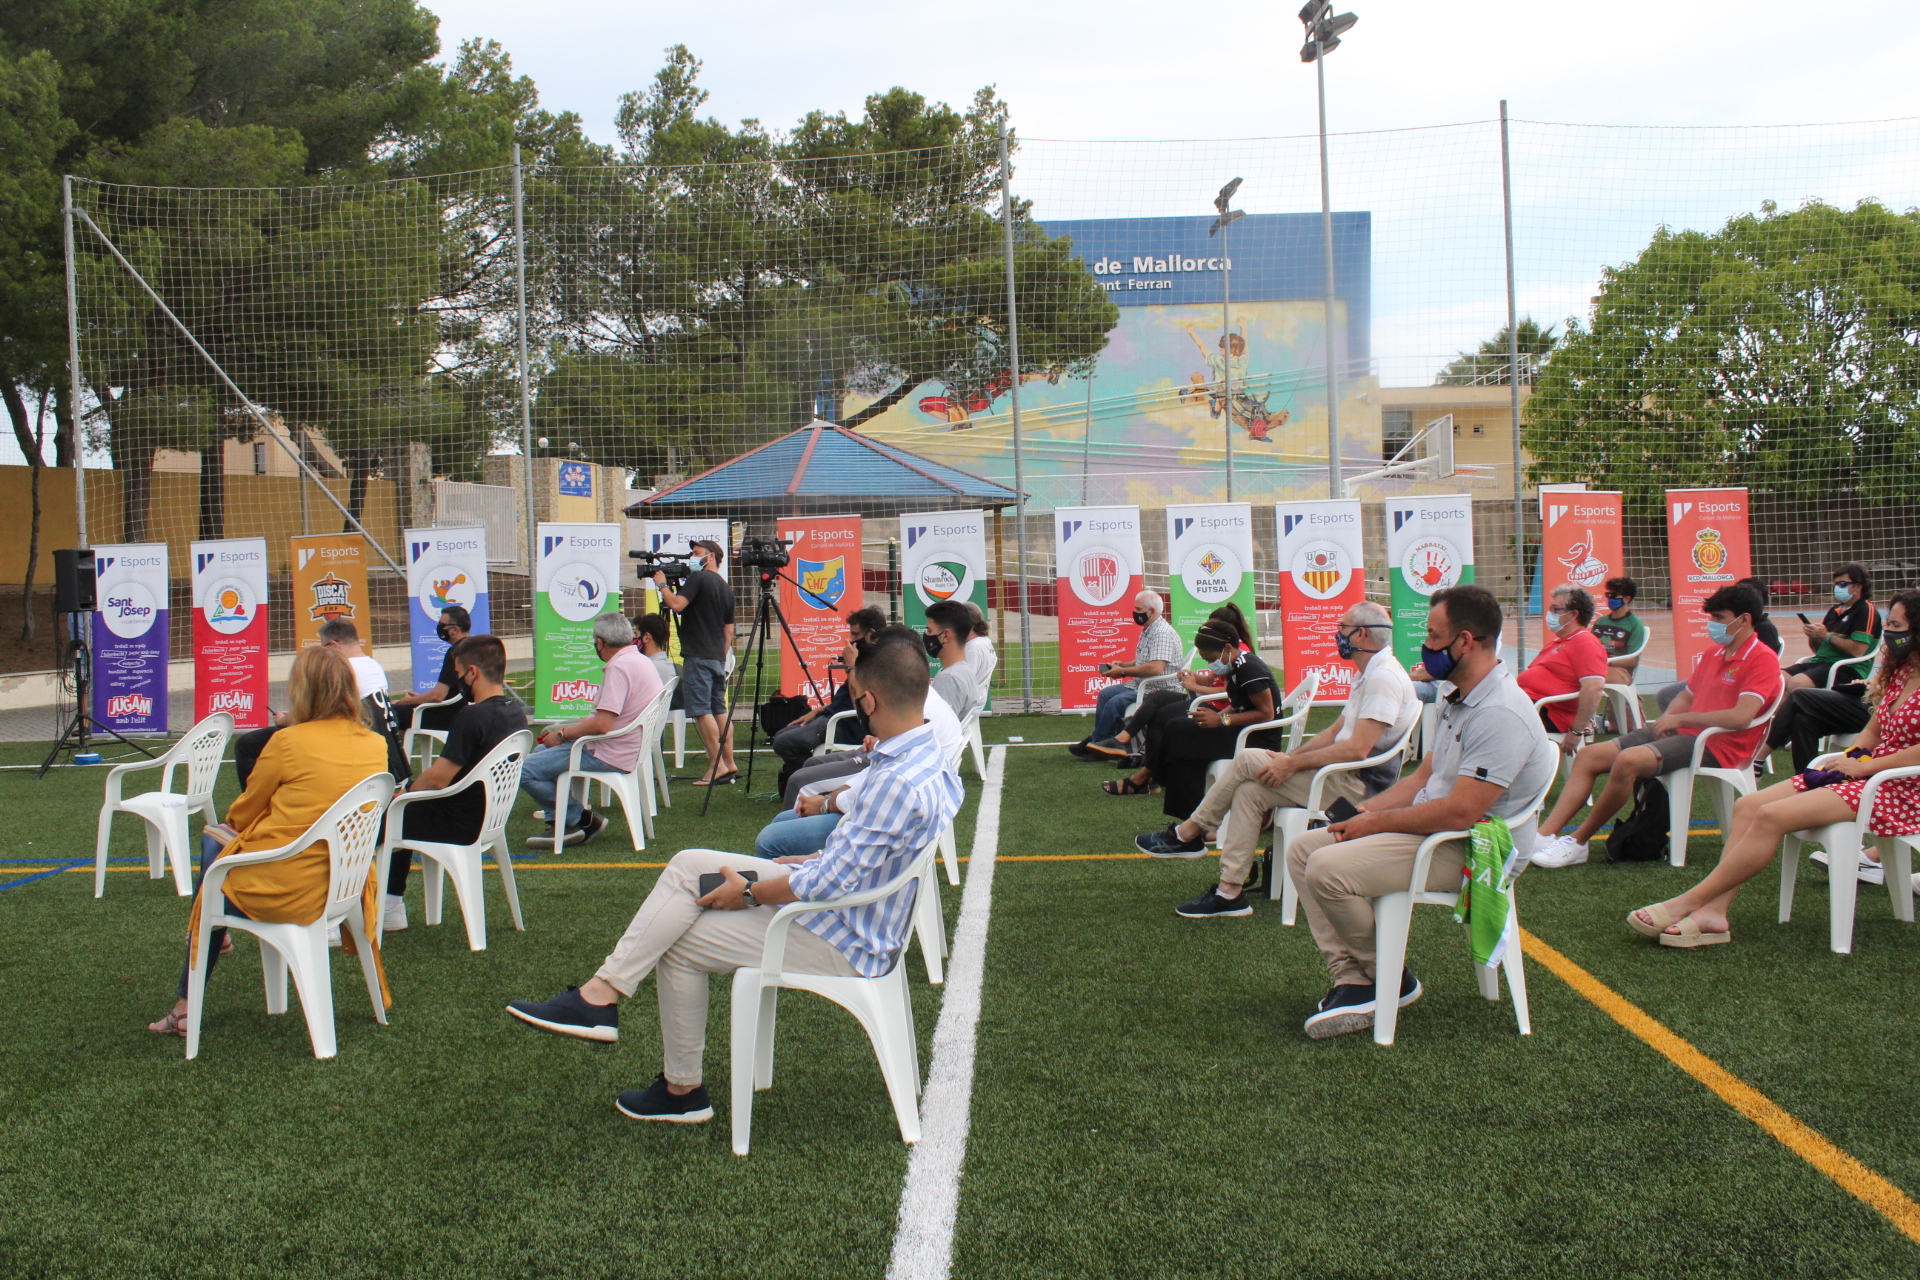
(1155, 665)
(629, 684)
(1574, 663)
(1381, 710)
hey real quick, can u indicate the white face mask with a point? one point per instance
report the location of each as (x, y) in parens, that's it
(1556, 619)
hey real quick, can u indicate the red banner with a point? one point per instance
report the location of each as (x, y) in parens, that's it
(230, 630)
(1707, 548)
(825, 566)
(1322, 575)
(1581, 545)
(1097, 550)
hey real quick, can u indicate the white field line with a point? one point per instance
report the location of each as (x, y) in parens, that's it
(923, 1241)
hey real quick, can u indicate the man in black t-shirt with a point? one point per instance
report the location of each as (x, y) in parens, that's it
(483, 723)
(455, 623)
(705, 605)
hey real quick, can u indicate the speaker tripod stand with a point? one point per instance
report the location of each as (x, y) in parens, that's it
(766, 612)
(83, 725)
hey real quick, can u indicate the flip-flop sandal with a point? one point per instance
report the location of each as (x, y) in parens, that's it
(174, 1024)
(1663, 920)
(1124, 787)
(724, 780)
(1691, 936)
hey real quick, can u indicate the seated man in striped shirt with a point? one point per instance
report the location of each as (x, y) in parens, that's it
(907, 796)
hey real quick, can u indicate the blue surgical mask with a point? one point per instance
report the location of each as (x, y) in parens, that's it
(1842, 592)
(1438, 662)
(1616, 603)
(1219, 666)
(1718, 631)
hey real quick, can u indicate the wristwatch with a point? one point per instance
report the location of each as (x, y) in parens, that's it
(746, 895)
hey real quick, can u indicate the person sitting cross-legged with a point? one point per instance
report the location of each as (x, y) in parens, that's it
(1155, 660)
(1490, 758)
(1380, 711)
(1732, 684)
(1891, 740)
(1849, 629)
(909, 794)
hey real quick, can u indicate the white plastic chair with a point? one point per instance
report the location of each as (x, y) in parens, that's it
(499, 773)
(1859, 666)
(633, 788)
(351, 832)
(1300, 700)
(827, 745)
(883, 1005)
(1290, 823)
(1844, 842)
(1728, 785)
(1393, 920)
(1623, 700)
(678, 719)
(433, 738)
(165, 812)
(975, 743)
(1566, 761)
(656, 749)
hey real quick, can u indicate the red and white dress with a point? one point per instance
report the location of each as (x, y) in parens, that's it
(1896, 804)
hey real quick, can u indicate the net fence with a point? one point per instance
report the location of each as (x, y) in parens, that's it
(1701, 307)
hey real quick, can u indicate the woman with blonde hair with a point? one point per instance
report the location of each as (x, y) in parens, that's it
(324, 752)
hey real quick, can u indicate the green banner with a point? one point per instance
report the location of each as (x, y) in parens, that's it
(944, 558)
(1429, 548)
(1210, 563)
(578, 581)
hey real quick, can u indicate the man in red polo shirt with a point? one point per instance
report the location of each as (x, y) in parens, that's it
(1733, 683)
(1576, 662)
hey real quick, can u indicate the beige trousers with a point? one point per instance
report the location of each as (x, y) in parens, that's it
(681, 943)
(1240, 792)
(1339, 879)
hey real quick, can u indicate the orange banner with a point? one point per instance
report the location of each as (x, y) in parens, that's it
(819, 588)
(1707, 548)
(1580, 545)
(329, 581)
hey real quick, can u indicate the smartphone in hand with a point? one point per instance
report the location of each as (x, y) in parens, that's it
(1804, 619)
(1341, 809)
(711, 880)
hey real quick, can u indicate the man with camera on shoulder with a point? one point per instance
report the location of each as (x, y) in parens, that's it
(704, 603)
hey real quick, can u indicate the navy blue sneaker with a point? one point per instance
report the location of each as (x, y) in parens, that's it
(1168, 844)
(1341, 1011)
(1211, 906)
(657, 1102)
(1410, 988)
(569, 1015)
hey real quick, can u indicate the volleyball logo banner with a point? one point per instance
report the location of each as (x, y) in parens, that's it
(1707, 548)
(1097, 551)
(1209, 563)
(445, 568)
(1322, 574)
(1429, 548)
(578, 580)
(329, 581)
(943, 556)
(130, 637)
(819, 589)
(1581, 544)
(230, 630)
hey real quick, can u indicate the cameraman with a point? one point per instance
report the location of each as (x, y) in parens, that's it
(705, 605)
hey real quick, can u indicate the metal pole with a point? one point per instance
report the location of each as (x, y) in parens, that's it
(73, 368)
(1326, 248)
(1019, 466)
(520, 326)
(1086, 443)
(1520, 583)
(1226, 341)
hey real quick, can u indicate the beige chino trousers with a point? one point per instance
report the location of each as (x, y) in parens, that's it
(1241, 793)
(1339, 879)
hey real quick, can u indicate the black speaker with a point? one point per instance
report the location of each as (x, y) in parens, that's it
(73, 582)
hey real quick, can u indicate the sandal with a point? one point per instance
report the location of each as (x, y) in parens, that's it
(1663, 920)
(174, 1024)
(1691, 936)
(1125, 787)
(723, 780)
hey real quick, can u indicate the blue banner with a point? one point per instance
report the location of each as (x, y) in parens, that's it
(445, 568)
(130, 637)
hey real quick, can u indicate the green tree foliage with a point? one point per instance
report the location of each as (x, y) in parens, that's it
(1490, 364)
(1782, 349)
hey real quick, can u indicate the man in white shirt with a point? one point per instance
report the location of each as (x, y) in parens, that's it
(369, 678)
(1381, 710)
(958, 680)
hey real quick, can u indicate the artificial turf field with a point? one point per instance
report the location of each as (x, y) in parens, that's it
(1144, 1102)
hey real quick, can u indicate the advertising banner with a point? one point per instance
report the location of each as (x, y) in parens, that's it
(329, 581)
(130, 637)
(1429, 548)
(826, 566)
(1097, 551)
(1322, 574)
(230, 630)
(1209, 562)
(578, 580)
(943, 557)
(1581, 544)
(674, 538)
(1707, 548)
(445, 568)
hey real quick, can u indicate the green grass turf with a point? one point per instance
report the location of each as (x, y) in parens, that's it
(1145, 1103)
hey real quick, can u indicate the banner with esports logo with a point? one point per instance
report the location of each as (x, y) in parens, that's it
(1707, 548)
(329, 581)
(1429, 548)
(1581, 544)
(820, 587)
(944, 557)
(578, 580)
(1097, 551)
(130, 637)
(1322, 574)
(1209, 563)
(445, 568)
(672, 538)
(230, 630)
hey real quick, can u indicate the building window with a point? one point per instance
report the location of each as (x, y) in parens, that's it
(1396, 428)
(259, 458)
(1479, 430)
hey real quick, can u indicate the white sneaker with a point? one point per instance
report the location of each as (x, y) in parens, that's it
(1870, 872)
(333, 935)
(393, 914)
(1561, 851)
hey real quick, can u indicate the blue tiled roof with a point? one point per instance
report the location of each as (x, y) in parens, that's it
(823, 460)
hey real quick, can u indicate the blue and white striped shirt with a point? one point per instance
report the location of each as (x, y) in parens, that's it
(906, 798)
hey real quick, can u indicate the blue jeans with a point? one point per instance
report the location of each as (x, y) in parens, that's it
(791, 836)
(540, 775)
(1110, 710)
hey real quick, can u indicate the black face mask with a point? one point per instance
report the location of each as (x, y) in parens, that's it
(1139, 618)
(444, 632)
(861, 648)
(933, 645)
(1897, 644)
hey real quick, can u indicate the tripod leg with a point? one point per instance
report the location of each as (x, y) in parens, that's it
(754, 634)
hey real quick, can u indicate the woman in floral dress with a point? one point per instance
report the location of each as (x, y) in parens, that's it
(1698, 917)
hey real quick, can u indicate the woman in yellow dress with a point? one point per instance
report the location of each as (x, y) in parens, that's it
(323, 753)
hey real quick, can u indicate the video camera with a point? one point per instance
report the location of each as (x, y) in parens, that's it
(765, 553)
(674, 567)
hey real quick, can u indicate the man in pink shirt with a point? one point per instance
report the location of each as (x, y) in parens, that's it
(1576, 662)
(628, 685)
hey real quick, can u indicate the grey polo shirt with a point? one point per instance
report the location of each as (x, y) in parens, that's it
(1493, 734)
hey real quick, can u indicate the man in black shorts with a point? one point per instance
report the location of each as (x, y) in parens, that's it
(705, 605)
(1851, 628)
(455, 623)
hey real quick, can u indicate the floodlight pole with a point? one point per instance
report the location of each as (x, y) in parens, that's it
(1013, 390)
(1326, 249)
(1520, 583)
(1226, 341)
(520, 333)
(73, 376)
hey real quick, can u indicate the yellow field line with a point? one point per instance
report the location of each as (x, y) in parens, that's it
(1855, 1178)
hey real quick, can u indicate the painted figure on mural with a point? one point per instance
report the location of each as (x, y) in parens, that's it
(958, 407)
(1229, 359)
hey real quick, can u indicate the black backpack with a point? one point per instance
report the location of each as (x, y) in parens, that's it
(1641, 836)
(779, 711)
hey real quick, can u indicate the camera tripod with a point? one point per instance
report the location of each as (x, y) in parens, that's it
(83, 725)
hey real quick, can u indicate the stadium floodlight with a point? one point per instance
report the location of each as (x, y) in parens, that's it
(1226, 217)
(1324, 29)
